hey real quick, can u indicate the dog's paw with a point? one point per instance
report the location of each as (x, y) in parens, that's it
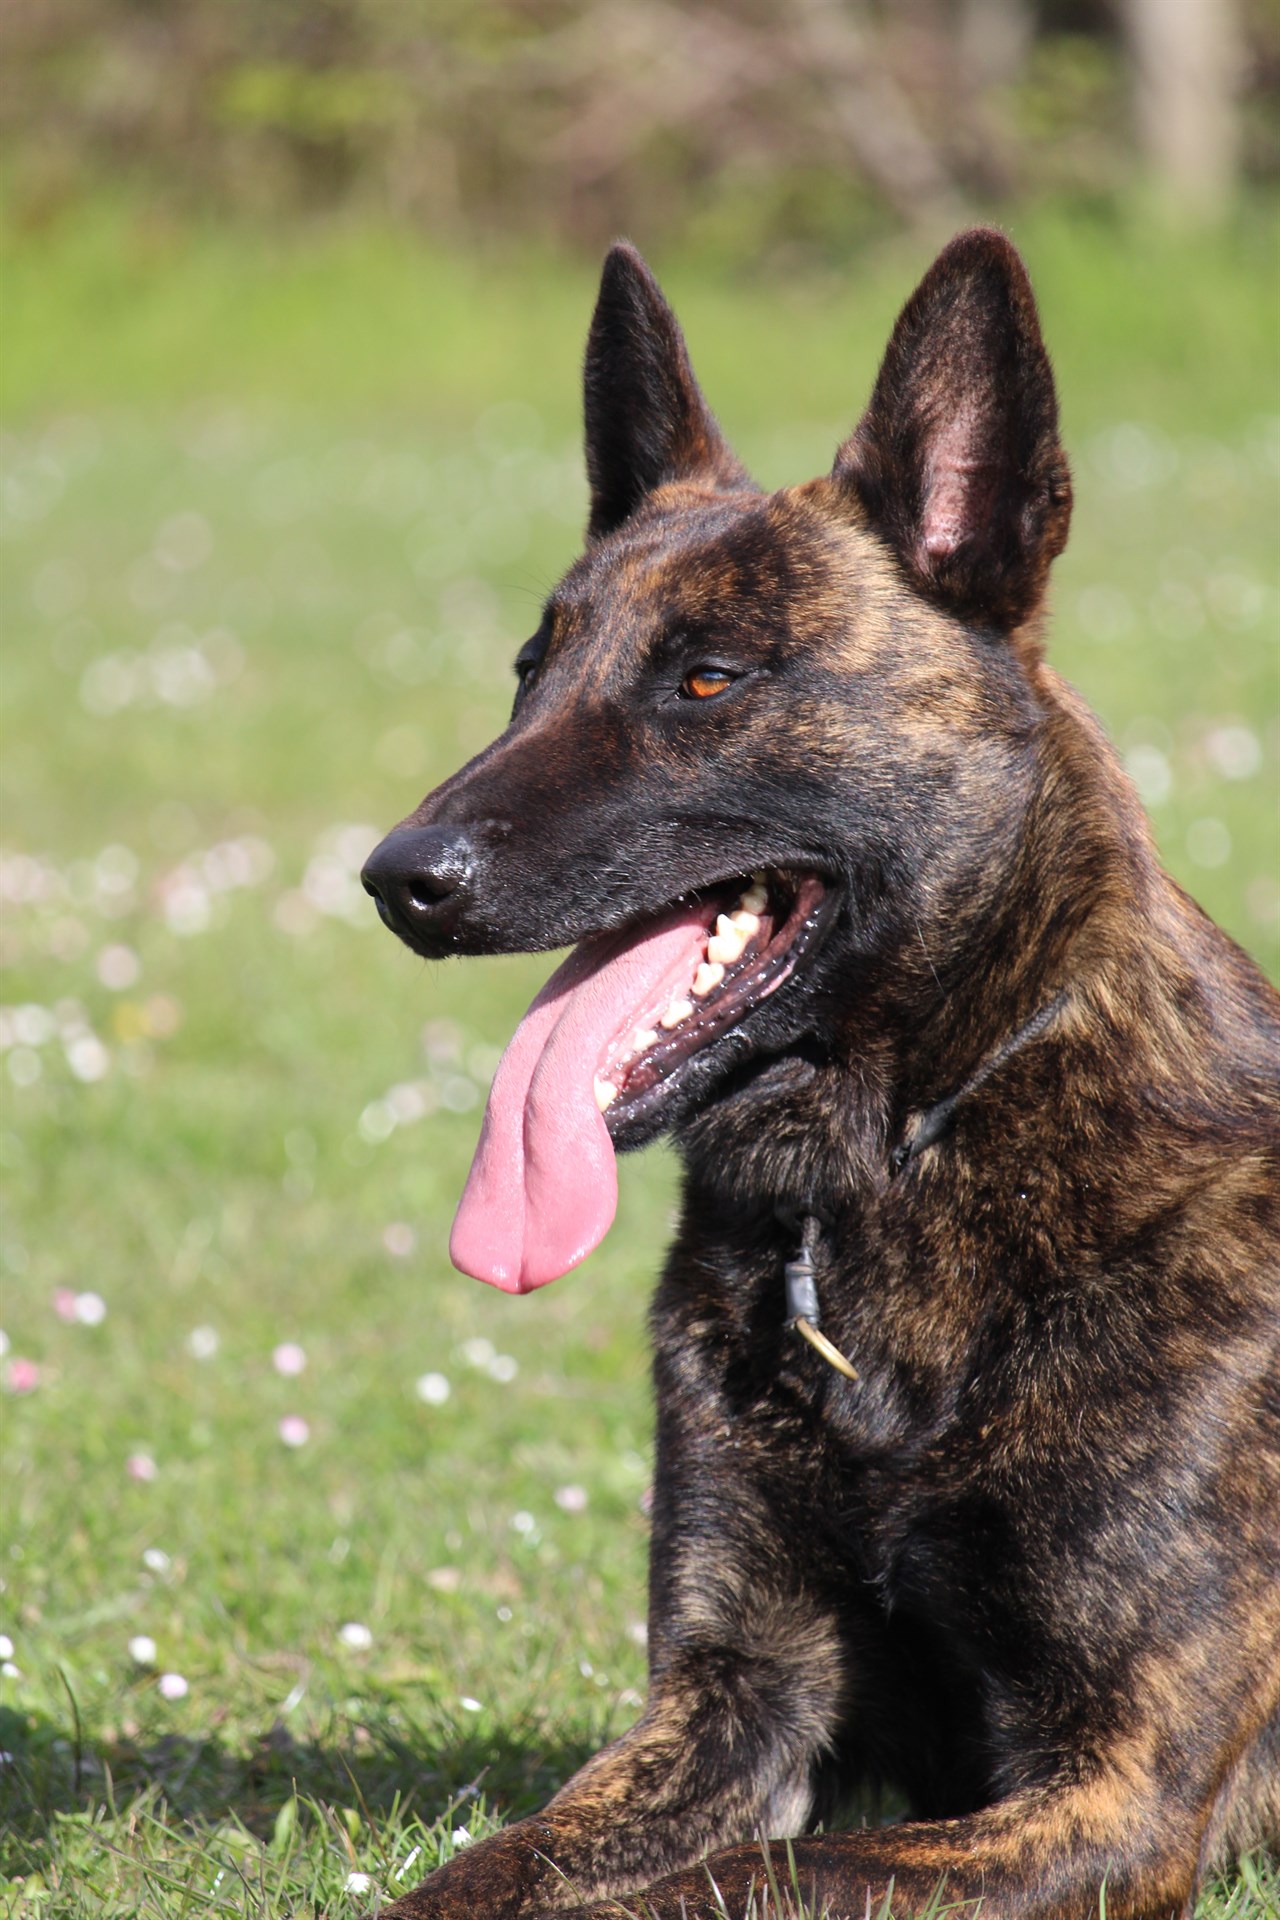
(504, 1877)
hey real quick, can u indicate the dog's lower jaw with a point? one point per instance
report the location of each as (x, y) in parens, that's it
(785, 1128)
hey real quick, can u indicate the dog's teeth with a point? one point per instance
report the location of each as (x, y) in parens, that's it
(745, 921)
(706, 979)
(643, 1038)
(678, 1010)
(756, 898)
(606, 1092)
(726, 943)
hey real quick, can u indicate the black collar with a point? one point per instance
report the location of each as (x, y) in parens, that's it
(800, 1272)
(936, 1120)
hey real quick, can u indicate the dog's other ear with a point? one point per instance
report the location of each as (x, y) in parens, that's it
(956, 460)
(646, 419)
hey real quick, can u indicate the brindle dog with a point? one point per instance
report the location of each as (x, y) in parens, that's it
(980, 1087)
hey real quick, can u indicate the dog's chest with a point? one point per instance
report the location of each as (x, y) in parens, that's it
(893, 1479)
(777, 1414)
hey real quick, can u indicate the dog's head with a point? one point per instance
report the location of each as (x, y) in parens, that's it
(760, 743)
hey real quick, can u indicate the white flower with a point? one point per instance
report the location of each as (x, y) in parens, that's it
(33, 1025)
(87, 1058)
(1208, 843)
(399, 1239)
(142, 1648)
(1150, 772)
(376, 1123)
(293, 1430)
(172, 1686)
(24, 1066)
(288, 1358)
(184, 541)
(571, 1499)
(356, 1636)
(1236, 752)
(433, 1388)
(118, 967)
(358, 1883)
(6, 1647)
(471, 1706)
(202, 1343)
(188, 908)
(90, 1309)
(503, 1368)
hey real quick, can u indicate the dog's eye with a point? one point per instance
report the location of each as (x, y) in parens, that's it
(526, 674)
(704, 683)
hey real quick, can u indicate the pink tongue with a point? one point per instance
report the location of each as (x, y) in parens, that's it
(543, 1186)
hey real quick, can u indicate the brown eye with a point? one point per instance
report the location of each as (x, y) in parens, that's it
(526, 673)
(704, 683)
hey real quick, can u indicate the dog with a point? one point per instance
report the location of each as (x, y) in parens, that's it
(967, 1350)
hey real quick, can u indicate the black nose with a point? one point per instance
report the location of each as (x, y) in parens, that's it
(413, 872)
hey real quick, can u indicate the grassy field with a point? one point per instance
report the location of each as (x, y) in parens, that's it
(317, 1558)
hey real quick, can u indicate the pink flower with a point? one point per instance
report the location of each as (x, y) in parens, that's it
(140, 1466)
(288, 1358)
(293, 1430)
(23, 1376)
(64, 1303)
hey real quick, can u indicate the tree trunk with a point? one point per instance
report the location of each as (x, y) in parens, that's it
(1186, 57)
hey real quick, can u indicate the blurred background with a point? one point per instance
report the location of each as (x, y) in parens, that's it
(775, 130)
(314, 1555)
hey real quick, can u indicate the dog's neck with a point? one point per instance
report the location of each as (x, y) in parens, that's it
(1059, 915)
(935, 1122)
(1037, 942)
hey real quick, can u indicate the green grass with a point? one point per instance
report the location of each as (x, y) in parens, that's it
(277, 518)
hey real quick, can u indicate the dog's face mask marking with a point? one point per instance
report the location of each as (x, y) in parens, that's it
(647, 800)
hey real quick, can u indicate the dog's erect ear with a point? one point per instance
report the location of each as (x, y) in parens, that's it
(956, 460)
(646, 419)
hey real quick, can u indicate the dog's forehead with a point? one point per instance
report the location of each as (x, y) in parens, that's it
(749, 564)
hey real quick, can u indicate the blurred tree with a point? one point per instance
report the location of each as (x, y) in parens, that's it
(752, 127)
(1187, 61)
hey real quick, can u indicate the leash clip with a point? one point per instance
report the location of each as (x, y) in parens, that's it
(800, 1276)
(802, 1289)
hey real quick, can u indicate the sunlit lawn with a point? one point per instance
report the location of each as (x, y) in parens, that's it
(287, 1502)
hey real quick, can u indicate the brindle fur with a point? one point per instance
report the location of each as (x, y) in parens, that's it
(1028, 1569)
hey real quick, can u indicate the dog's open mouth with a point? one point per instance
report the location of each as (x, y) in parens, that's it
(602, 1047)
(749, 941)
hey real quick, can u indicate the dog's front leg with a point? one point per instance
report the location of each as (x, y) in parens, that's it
(1041, 1855)
(743, 1700)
